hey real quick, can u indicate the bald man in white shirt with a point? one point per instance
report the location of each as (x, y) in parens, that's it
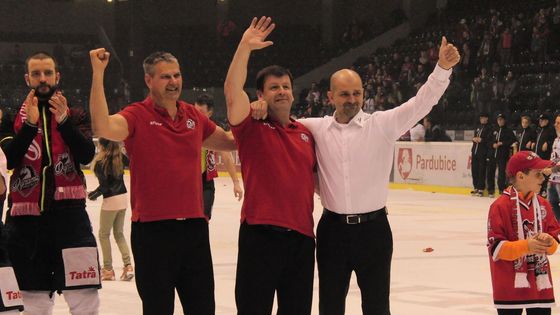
(355, 156)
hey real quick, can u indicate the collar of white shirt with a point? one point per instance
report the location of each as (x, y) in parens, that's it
(357, 120)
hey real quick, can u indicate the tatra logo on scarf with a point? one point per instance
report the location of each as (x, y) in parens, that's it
(28, 181)
(528, 227)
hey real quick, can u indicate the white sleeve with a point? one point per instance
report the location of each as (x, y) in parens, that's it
(398, 120)
(313, 124)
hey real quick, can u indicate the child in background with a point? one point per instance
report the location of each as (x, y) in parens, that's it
(108, 166)
(522, 231)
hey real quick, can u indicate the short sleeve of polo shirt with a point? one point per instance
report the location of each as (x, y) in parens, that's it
(130, 113)
(239, 129)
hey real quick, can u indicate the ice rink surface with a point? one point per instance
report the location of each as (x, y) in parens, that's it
(454, 279)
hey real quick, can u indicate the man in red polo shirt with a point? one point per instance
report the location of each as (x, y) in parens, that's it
(276, 240)
(163, 138)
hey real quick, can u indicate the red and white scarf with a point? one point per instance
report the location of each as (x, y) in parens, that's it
(211, 171)
(26, 180)
(539, 261)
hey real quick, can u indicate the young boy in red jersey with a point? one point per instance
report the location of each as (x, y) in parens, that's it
(522, 231)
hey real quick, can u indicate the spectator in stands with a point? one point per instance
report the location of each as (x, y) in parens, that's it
(510, 85)
(486, 50)
(418, 132)
(499, 143)
(481, 92)
(380, 100)
(479, 152)
(369, 102)
(506, 40)
(434, 132)
(314, 95)
(467, 62)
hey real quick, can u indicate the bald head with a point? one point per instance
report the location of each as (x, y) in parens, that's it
(345, 77)
(346, 94)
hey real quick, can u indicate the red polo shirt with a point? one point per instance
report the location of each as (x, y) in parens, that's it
(277, 165)
(165, 160)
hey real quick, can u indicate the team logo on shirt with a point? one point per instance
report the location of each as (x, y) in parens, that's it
(190, 124)
(155, 123)
(304, 137)
(405, 162)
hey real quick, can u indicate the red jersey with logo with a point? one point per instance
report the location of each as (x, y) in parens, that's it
(277, 165)
(503, 225)
(165, 160)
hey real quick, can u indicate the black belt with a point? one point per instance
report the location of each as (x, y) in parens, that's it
(355, 218)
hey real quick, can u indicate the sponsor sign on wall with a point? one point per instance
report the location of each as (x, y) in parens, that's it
(433, 163)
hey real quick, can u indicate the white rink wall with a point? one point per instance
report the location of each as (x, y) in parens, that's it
(433, 163)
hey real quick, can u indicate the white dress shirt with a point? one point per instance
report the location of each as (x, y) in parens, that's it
(355, 159)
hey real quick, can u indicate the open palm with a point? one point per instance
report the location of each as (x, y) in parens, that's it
(255, 36)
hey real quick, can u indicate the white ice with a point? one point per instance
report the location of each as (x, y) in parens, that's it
(453, 279)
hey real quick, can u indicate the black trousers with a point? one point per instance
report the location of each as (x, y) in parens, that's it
(208, 193)
(173, 255)
(5, 262)
(530, 311)
(478, 169)
(35, 247)
(365, 248)
(501, 163)
(271, 260)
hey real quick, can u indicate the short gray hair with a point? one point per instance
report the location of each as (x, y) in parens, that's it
(155, 58)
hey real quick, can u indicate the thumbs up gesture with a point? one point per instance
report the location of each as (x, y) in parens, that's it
(448, 55)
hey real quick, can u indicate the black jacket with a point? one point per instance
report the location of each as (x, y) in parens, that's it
(109, 185)
(544, 135)
(505, 136)
(481, 149)
(436, 134)
(525, 135)
(81, 148)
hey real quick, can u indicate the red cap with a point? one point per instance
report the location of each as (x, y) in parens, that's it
(526, 160)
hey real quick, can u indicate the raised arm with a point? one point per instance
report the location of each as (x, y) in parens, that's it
(237, 100)
(398, 120)
(113, 127)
